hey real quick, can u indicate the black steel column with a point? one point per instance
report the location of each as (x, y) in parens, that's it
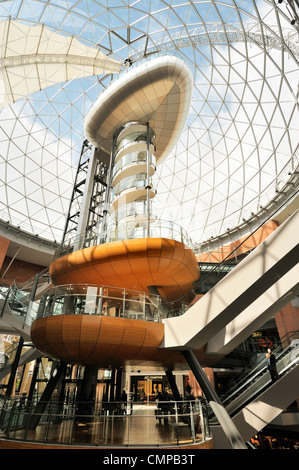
(33, 379)
(87, 391)
(221, 414)
(44, 400)
(173, 385)
(118, 384)
(14, 368)
(112, 385)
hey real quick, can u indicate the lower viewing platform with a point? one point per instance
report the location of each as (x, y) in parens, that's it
(105, 425)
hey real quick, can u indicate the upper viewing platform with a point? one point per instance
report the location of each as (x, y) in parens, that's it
(158, 92)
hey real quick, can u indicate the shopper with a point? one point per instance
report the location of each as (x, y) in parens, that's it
(271, 360)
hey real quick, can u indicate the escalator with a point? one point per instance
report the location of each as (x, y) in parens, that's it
(254, 400)
(239, 304)
(244, 300)
(29, 353)
(16, 315)
(17, 309)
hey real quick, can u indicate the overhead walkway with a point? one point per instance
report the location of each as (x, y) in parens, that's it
(255, 401)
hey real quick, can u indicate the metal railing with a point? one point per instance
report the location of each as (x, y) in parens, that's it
(17, 302)
(107, 423)
(129, 230)
(85, 299)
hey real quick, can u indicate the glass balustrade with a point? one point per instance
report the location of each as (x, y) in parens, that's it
(82, 299)
(131, 159)
(135, 209)
(127, 229)
(107, 423)
(132, 133)
(130, 182)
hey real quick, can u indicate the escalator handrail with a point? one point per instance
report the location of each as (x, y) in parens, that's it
(279, 356)
(259, 368)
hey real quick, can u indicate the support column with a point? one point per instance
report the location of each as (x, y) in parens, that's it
(87, 391)
(148, 182)
(14, 368)
(112, 385)
(173, 385)
(107, 194)
(33, 379)
(221, 414)
(118, 384)
(44, 400)
(84, 209)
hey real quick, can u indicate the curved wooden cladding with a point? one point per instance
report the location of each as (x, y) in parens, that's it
(102, 341)
(132, 264)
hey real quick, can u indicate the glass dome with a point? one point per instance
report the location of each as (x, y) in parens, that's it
(239, 150)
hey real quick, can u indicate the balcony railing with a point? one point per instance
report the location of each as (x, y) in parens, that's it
(84, 299)
(107, 423)
(131, 229)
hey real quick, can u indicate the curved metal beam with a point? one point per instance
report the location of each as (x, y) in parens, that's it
(218, 34)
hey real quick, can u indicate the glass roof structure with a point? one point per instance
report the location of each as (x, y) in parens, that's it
(239, 150)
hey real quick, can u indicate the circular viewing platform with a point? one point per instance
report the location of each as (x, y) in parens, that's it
(97, 325)
(136, 264)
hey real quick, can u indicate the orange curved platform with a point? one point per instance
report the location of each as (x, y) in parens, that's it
(132, 264)
(104, 341)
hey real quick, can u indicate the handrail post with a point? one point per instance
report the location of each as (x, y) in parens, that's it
(100, 301)
(176, 422)
(143, 306)
(124, 302)
(202, 422)
(192, 421)
(73, 424)
(49, 421)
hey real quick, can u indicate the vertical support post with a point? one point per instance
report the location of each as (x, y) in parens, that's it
(14, 368)
(118, 383)
(173, 385)
(33, 380)
(221, 414)
(44, 400)
(85, 143)
(107, 194)
(100, 301)
(124, 304)
(87, 392)
(112, 385)
(148, 181)
(31, 300)
(84, 209)
(42, 306)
